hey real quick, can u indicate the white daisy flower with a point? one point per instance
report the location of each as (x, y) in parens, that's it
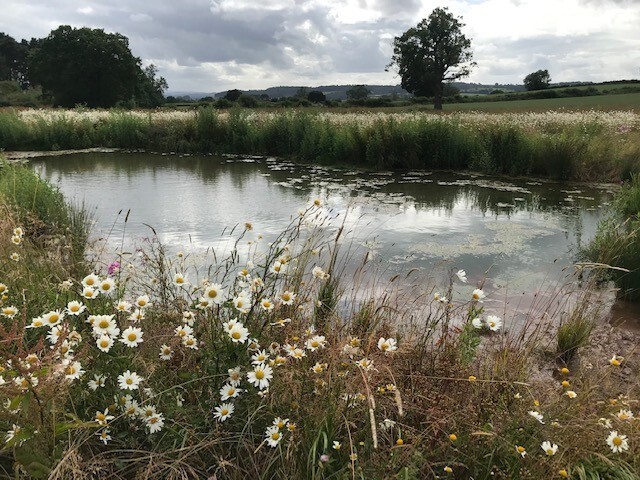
(478, 295)
(75, 307)
(462, 276)
(617, 443)
(229, 391)
(238, 333)
(494, 323)
(315, 342)
(537, 415)
(549, 448)
(104, 343)
(273, 436)
(387, 345)
(224, 411)
(165, 352)
(214, 293)
(132, 336)
(129, 381)
(260, 376)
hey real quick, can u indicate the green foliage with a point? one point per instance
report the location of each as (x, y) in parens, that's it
(597, 468)
(537, 80)
(617, 242)
(358, 92)
(434, 51)
(316, 96)
(574, 333)
(13, 59)
(92, 67)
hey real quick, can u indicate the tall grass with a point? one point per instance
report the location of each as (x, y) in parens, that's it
(617, 241)
(550, 145)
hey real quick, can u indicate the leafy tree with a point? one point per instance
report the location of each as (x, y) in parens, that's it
(13, 59)
(537, 80)
(431, 53)
(316, 96)
(233, 95)
(358, 92)
(85, 66)
(302, 93)
(248, 101)
(149, 91)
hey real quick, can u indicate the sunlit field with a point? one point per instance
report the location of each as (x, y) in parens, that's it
(267, 362)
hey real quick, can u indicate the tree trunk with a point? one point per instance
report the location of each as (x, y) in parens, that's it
(437, 96)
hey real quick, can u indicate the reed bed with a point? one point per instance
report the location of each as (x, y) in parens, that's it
(591, 145)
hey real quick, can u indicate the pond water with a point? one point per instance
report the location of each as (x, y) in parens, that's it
(515, 233)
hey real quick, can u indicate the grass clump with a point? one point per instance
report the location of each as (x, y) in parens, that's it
(617, 241)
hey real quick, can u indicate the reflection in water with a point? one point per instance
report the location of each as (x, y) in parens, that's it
(521, 231)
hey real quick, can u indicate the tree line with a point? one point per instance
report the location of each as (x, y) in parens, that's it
(81, 66)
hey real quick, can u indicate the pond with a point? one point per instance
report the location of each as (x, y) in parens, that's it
(515, 235)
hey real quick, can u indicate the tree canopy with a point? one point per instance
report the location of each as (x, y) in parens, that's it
(92, 67)
(431, 53)
(13, 59)
(537, 80)
(358, 92)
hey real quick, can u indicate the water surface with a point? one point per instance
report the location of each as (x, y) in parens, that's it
(518, 234)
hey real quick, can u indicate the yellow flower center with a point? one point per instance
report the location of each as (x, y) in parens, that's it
(103, 324)
(90, 281)
(100, 417)
(132, 337)
(70, 370)
(275, 435)
(212, 293)
(104, 343)
(153, 420)
(617, 441)
(53, 318)
(236, 335)
(520, 449)
(549, 451)
(129, 381)
(106, 286)
(260, 374)
(315, 344)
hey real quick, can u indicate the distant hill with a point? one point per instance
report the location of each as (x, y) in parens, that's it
(339, 92)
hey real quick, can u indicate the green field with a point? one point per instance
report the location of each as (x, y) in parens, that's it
(626, 101)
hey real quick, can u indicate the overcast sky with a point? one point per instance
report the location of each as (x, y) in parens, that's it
(216, 45)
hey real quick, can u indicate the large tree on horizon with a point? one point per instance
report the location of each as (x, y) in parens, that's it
(431, 53)
(91, 67)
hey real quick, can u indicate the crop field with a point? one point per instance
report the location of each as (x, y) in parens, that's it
(624, 101)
